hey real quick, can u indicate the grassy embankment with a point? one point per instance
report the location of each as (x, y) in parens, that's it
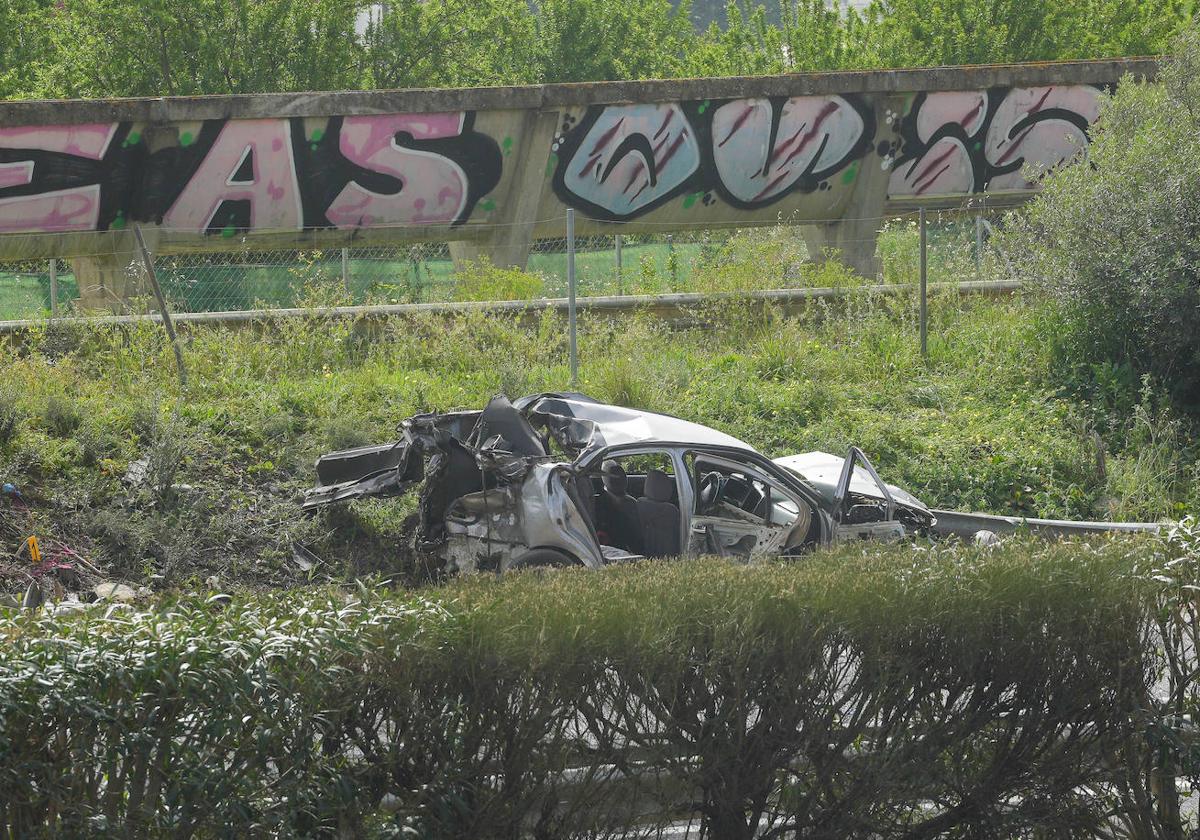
(983, 424)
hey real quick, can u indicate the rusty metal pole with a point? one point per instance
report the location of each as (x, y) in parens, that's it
(152, 276)
(924, 288)
(574, 348)
(979, 238)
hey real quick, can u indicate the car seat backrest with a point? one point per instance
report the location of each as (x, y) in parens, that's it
(659, 486)
(659, 515)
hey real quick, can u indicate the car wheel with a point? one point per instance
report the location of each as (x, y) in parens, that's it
(542, 558)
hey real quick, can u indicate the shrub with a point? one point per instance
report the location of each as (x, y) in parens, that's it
(970, 693)
(61, 416)
(483, 281)
(10, 417)
(1117, 243)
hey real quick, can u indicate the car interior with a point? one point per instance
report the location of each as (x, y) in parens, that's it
(642, 515)
(741, 496)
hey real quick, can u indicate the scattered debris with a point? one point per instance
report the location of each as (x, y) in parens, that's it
(303, 558)
(137, 472)
(113, 591)
(32, 549)
(33, 596)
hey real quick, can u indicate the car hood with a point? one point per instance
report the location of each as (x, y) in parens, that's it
(822, 471)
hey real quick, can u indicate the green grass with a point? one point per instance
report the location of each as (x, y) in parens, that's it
(20, 297)
(980, 425)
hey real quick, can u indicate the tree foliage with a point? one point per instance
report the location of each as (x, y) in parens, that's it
(93, 48)
(1117, 243)
(164, 47)
(916, 33)
(448, 43)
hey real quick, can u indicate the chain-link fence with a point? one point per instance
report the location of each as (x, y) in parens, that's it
(703, 261)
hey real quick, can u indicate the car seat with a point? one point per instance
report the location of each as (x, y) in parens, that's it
(659, 515)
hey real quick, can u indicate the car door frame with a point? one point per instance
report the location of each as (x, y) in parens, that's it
(686, 492)
(752, 469)
(683, 489)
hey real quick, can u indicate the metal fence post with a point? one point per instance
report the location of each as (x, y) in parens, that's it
(163, 309)
(924, 287)
(620, 279)
(672, 266)
(416, 266)
(979, 239)
(53, 288)
(574, 349)
(346, 269)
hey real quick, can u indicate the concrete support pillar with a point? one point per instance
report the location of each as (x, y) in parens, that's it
(507, 242)
(502, 254)
(853, 239)
(850, 242)
(108, 282)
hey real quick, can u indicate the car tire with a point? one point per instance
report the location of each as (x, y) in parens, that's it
(542, 558)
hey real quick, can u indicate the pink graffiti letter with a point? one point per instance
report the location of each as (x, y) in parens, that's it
(433, 188)
(74, 208)
(271, 189)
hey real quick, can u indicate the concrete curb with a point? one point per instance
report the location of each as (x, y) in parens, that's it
(668, 306)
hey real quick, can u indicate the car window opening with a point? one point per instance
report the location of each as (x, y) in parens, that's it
(635, 500)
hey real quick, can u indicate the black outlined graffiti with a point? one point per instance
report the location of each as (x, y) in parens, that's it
(954, 142)
(764, 149)
(231, 176)
(66, 178)
(622, 161)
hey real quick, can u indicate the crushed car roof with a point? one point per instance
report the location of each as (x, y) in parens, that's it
(604, 425)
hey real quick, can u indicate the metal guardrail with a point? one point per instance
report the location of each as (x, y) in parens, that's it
(670, 306)
(963, 524)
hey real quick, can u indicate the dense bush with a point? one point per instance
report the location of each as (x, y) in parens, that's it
(903, 693)
(1118, 242)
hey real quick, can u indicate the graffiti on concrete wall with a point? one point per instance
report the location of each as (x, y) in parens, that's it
(52, 178)
(232, 176)
(622, 161)
(969, 141)
(614, 162)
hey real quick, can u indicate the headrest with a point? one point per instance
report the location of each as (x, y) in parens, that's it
(611, 467)
(658, 486)
(613, 475)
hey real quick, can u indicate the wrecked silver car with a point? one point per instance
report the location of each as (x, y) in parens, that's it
(557, 479)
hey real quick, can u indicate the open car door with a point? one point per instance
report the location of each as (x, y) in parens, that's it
(741, 511)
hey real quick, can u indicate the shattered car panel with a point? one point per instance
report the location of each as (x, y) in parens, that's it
(822, 470)
(590, 426)
(519, 483)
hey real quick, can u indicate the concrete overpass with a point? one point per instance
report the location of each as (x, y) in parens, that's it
(491, 169)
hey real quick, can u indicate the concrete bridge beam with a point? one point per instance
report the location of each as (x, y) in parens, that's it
(490, 169)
